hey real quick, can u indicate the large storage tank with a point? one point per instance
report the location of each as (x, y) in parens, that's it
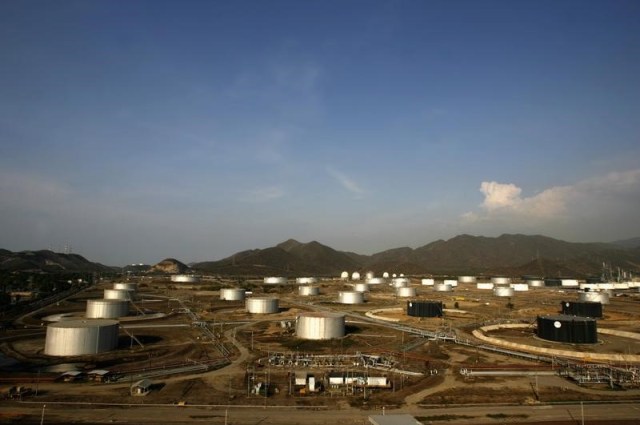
(184, 278)
(406, 292)
(117, 294)
(553, 282)
(467, 279)
(399, 282)
(536, 283)
(106, 309)
(262, 305)
(385, 275)
(369, 275)
(355, 276)
(451, 282)
(500, 280)
(484, 285)
(306, 280)
(569, 283)
(568, 329)
(275, 280)
(344, 275)
(594, 297)
(442, 287)
(376, 281)
(81, 337)
(125, 286)
(318, 326)
(424, 308)
(232, 294)
(503, 291)
(350, 297)
(307, 290)
(361, 287)
(585, 309)
(520, 287)
(428, 282)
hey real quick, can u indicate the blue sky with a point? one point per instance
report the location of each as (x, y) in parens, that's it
(135, 131)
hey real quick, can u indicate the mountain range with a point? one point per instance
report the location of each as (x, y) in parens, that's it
(509, 254)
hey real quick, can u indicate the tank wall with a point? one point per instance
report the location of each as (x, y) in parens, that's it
(318, 328)
(406, 292)
(116, 294)
(441, 287)
(262, 305)
(69, 341)
(567, 330)
(308, 290)
(351, 297)
(232, 294)
(424, 308)
(106, 309)
(596, 297)
(125, 286)
(583, 309)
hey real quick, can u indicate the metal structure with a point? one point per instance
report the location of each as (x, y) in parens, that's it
(568, 329)
(106, 309)
(232, 294)
(184, 278)
(503, 291)
(117, 294)
(262, 305)
(81, 337)
(275, 280)
(406, 292)
(424, 308)
(319, 325)
(467, 279)
(582, 308)
(350, 297)
(308, 290)
(442, 287)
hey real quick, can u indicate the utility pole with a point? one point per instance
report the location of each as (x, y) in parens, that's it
(42, 417)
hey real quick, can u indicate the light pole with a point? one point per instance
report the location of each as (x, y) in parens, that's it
(42, 417)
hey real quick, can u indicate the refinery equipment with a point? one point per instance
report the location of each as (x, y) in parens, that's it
(81, 337)
(232, 294)
(424, 308)
(319, 326)
(568, 329)
(262, 305)
(107, 309)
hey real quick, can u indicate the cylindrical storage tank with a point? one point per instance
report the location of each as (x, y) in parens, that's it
(350, 297)
(385, 275)
(520, 287)
(262, 305)
(106, 309)
(500, 280)
(344, 275)
(569, 283)
(361, 287)
(594, 297)
(232, 294)
(568, 329)
(588, 286)
(503, 291)
(406, 292)
(369, 275)
(125, 286)
(355, 276)
(81, 337)
(536, 283)
(552, 282)
(467, 279)
(116, 294)
(442, 287)
(451, 282)
(307, 291)
(428, 282)
(400, 282)
(184, 278)
(318, 326)
(484, 285)
(275, 280)
(376, 281)
(605, 285)
(306, 280)
(424, 308)
(584, 309)
(621, 285)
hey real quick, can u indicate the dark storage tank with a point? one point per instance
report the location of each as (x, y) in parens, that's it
(552, 282)
(424, 308)
(568, 329)
(582, 308)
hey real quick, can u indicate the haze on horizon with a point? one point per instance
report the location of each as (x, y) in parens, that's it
(135, 131)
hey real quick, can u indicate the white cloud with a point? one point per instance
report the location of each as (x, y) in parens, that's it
(346, 182)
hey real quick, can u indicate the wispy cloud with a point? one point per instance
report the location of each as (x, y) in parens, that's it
(346, 182)
(263, 194)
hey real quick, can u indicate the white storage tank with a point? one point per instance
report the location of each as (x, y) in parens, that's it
(361, 287)
(621, 285)
(569, 283)
(307, 291)
(385, 275)
(117, 294)
(81, 337)
(400, 282)
(484, 285)
(320, 326)
(376, 281)
(232, 294)
(275, 280)
(605, 285)
(262, 305)
(503, 291)
(536, 283)
(350, 297)
(467, 279)
(594, 297)
(355, 276)
(369, 275)
(451, 282)
(442, 287)
(344, 276)
(406, 292)
(306, 280)
(500, 280)
(125, 286)
(520, 287)
(106, 309)
(428, 282)
(184, 278)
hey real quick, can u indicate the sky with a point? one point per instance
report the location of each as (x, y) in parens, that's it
(132, 131)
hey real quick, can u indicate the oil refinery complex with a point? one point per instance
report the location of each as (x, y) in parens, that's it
(357, 338)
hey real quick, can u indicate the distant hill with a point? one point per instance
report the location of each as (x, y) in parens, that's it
(48, 261)
(464, 254)
(628, 243)
(170, 266)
